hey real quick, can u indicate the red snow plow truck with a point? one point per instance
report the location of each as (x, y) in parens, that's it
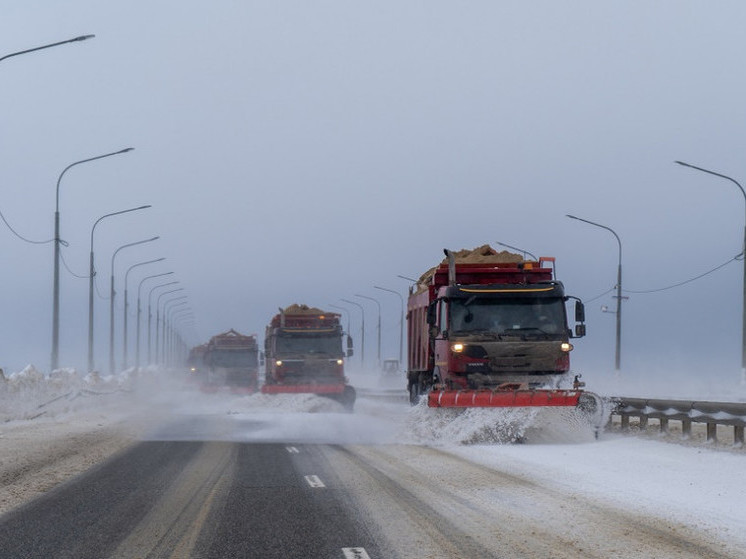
(304, 354)
(489, 329)
(232, 359)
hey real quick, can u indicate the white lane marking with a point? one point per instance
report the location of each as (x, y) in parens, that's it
(355, 553)
(314, 481)
(292, 450)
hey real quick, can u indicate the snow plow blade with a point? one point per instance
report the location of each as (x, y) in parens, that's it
(303, 388)
(485, 398)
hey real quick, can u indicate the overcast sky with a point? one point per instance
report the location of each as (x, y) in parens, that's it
(298, 151)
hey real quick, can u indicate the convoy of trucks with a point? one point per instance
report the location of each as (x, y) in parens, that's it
(303, 353)
(485, 329)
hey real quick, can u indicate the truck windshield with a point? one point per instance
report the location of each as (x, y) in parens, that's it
(233, 358)
(545, 316)
(307, 345)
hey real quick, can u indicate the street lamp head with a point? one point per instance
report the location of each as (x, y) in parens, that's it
(571, 216)
(83, 37)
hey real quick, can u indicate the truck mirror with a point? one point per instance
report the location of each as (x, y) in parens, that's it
(579, 330)
(433, 331)
(579, 312)
(349, 346)
(261, 358)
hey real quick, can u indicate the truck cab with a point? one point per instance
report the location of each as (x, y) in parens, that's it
(485, 336)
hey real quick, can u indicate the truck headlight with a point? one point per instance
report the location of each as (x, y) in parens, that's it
(278, 363)
(457, 348)
(340, 361)
(566, 347)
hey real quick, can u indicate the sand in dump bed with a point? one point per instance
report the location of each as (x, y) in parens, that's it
(295, 308)
(484, 254)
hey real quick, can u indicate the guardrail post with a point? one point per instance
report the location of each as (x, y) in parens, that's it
(738, 435)
(712, 433)
(643, 422)
(686, 429)
(664, 425)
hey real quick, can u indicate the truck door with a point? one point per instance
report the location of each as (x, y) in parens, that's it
(440, 342)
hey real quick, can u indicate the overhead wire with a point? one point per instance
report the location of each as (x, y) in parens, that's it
(64, 263)
(98, 290)
(601, 295)
(739, 256)
(17, 234)
(707, 273)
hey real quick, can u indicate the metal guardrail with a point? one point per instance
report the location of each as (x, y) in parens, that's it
(710, 413)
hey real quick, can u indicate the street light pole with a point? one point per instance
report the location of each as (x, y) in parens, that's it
(150, 315)
(743, 257)
(362, 331)
(617, 357)
(166, 310)
(168, 348)
(91, 275)
(137, 329)
(112, 295)
(81, 38)
(379, 323)
(158, 318)
(125, 354)
(56, 281)
(178, 344)
(401, 321)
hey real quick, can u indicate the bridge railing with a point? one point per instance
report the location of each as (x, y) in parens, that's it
(711, 414)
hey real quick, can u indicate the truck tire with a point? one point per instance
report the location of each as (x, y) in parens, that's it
(414, 393)
(348, 398)
(419, 387)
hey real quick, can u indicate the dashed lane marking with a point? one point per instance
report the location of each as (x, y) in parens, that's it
(355, 553)
(292, 450)
(314, 481)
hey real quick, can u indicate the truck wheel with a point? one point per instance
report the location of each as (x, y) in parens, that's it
(414, 393)
(348, 398)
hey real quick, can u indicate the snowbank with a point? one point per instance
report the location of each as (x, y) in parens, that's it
(29, 393)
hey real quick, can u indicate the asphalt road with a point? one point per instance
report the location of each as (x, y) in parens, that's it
(193, 499)
(194, 490)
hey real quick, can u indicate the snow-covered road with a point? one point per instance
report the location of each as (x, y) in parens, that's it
(559, 494)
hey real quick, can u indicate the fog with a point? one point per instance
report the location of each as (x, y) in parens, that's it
(305, 152)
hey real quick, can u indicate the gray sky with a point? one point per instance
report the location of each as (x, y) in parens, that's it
(305, 151)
